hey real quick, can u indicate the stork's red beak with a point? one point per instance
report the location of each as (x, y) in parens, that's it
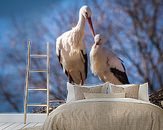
(91, 26)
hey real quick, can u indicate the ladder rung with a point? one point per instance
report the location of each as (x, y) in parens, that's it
(39, 89)
(37, 56)
(39, 105)
(33, 71)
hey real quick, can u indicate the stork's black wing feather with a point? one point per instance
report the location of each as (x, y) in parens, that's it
(121, 76)
(65, 71)
(59, 58)
(69, 77)
(123, 66)
(85, 63)
(122, 63)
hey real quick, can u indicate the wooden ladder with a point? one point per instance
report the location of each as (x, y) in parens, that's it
(28, 71)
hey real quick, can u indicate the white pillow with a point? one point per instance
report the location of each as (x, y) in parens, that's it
(70, 94)
(130, 91)
(76, 92)
(102, 95)
(142, 93)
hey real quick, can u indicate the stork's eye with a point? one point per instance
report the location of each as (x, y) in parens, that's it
(86, 14)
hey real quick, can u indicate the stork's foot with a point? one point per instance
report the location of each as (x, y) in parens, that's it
(70, 78)
(81, 81)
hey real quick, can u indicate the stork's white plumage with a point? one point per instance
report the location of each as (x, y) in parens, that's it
(105, 64)
(71, 50)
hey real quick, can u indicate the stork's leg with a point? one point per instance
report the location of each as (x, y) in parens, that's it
(69, 77)
(81, 82)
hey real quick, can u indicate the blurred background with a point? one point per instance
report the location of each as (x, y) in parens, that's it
(132, 28)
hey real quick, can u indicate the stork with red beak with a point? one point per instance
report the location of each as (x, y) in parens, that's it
(71, 50)
(105, 63)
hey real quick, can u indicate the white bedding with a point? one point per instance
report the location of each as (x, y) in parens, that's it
(105, 114)
(128, 100)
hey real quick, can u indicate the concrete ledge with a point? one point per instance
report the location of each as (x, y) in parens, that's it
(13, 117)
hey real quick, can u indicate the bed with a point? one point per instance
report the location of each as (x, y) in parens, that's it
(105, 114)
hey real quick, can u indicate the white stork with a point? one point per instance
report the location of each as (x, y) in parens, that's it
(71, 50)
(105, 64)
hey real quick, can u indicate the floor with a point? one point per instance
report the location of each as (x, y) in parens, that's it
(15, 121)
(17, 126)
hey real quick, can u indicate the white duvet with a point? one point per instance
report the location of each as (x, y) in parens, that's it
(105, 114)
